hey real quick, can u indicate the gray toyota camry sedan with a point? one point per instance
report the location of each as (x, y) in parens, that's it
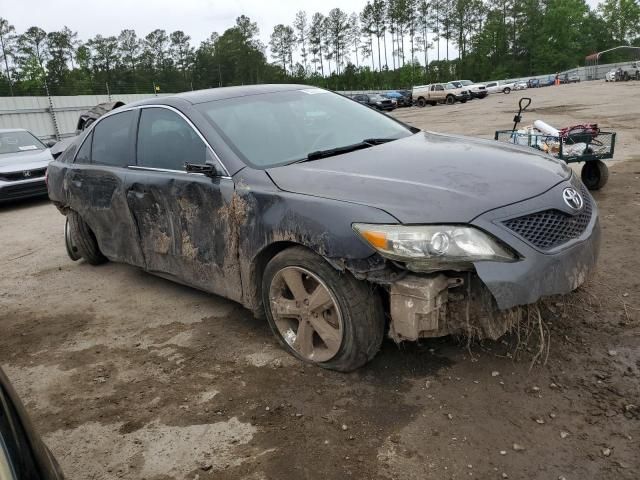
(337, 223)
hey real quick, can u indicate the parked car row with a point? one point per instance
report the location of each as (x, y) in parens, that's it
(386, 101)
(459, 91)
(626, 73)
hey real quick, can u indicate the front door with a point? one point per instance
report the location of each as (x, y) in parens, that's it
(95, 186)
(184, 219)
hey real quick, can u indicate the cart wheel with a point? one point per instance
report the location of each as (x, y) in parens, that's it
(595, 174)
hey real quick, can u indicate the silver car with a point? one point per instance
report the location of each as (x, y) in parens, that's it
(23, 164)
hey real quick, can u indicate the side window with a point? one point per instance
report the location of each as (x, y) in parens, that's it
(491, 84)
(113, 140)
(439, 87)
(84, 154)
(166, 140)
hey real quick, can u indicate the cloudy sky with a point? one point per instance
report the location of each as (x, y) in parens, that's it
(197, 18)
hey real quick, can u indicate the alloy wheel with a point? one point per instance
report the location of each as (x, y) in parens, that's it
(306, 314)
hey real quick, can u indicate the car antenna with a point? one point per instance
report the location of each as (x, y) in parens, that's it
(518, 118)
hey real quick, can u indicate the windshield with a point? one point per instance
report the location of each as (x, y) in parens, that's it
(19, 141)
(376, 97)
(465, 82)
(284, 127)
(450, 86)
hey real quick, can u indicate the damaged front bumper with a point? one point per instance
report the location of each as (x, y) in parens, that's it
(487, 301)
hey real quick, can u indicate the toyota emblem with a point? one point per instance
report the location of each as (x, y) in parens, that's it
(572, 198)
(26, 173)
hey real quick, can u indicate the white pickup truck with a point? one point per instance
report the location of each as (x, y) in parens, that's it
(500, 87)
(477, 90)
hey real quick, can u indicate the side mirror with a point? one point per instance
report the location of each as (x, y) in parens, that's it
(208, 169)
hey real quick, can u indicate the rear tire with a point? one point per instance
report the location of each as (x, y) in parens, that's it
(72, 250)
(84, 240)
(594, 174)
(356, 305)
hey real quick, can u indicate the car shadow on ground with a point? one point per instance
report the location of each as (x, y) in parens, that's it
(26, 203)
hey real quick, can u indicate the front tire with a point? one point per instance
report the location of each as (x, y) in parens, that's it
(84, 240)
(594, 174)
(506, 91)
(421, 102)
(450, 100)
(320, 315)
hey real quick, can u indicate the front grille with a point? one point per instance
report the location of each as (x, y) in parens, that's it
(22, 175)
(551, 228)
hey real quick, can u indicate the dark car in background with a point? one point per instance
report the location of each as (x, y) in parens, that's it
(327, 217)
(533, 83)
(570, 78)
(408, 94)
(23, 455)
(375, 100)
(23, 164)
(402, 100)
(548, 82)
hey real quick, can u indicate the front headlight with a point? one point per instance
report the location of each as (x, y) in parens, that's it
(434, 245)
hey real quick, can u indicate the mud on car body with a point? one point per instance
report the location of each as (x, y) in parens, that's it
(326, 216)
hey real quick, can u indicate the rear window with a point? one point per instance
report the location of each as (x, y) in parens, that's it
(114, 140)
(84, 154)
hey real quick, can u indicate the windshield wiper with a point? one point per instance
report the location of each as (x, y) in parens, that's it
(331, 152)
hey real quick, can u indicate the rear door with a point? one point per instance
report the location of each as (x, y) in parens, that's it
(185, 220)
(95, 181)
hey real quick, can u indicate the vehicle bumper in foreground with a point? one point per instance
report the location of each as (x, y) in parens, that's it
(22, 189)
(489, 301)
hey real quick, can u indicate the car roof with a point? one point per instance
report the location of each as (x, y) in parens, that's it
(223, 93)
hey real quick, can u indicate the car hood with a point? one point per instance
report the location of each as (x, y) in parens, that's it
(427, 177)
(30, 160)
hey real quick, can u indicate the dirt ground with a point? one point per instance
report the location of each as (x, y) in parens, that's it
(127, 375)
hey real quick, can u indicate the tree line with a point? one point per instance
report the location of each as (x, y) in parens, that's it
(389, 44)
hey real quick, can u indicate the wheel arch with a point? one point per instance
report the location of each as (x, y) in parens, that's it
(253, 283)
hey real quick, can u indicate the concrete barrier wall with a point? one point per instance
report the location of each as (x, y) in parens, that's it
(52, 117)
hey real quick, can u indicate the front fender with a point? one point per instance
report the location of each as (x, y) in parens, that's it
(274, 217)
